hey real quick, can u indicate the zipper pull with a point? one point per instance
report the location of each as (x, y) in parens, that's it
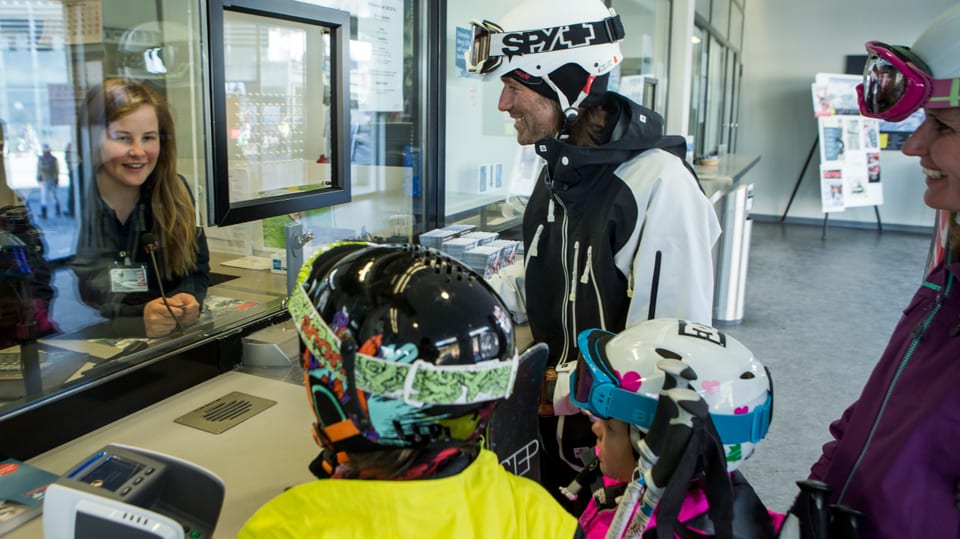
(548, 182)
(536, 241)
(589, 267)
(630, 285)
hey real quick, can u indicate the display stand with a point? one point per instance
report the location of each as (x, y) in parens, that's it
(826, 215)
(803, 171)
(849, 150)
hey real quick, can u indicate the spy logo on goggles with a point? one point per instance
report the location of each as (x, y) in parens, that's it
(549, 39)
(490, 43)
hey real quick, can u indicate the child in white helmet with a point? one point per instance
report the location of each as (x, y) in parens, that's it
(619, 384)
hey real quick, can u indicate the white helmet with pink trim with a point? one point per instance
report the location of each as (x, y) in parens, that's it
(618, 378)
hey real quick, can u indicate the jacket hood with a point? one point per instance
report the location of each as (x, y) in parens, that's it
(633, 129)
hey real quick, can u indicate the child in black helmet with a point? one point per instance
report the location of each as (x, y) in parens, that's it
(405, 354)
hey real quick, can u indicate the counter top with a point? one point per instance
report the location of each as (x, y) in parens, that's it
(732, 167)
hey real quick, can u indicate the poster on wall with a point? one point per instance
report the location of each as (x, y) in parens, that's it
(849, 145)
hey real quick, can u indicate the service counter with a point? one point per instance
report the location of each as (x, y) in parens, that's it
(71, 383)
(256, 459)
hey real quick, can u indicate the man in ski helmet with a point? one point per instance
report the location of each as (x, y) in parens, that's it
(405, 353)
(617, 229)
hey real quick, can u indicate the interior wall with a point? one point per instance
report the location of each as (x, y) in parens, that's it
(785, 45)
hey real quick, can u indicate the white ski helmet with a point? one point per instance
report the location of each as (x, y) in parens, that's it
(735, 385)
(562, 49)
(939, 47)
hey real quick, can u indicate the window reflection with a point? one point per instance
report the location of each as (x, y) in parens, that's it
(53, 53)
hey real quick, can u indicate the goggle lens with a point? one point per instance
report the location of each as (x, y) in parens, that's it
(883, 85)
(478, 55)
(583, 382)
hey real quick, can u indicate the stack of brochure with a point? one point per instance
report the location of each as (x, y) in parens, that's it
(458, 246)
(484, 259)
(508, 253)
(482, 238)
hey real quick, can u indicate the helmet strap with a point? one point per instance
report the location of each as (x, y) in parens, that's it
(570, 111)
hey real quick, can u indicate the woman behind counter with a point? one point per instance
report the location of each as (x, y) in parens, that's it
(138, 203)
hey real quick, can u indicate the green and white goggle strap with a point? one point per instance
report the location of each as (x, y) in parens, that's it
(489, 43)
(418, 382)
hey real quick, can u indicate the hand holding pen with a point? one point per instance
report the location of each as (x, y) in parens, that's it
(162, 317)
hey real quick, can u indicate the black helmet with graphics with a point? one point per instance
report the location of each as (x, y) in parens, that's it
(401, 346)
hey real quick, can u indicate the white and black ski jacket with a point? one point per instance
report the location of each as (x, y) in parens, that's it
(598, 221)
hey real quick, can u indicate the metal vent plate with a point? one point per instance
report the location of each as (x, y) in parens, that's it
(225, 413)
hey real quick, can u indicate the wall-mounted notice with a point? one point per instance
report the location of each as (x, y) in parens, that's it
(382, 29)
(82, 21)
(849, 145)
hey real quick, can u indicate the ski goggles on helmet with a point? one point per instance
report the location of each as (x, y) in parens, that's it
(896, 83)
(596, 387)
(489, 43)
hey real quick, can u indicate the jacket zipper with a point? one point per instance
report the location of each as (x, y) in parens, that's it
(565, 316)
(918, 334)
(574, 277)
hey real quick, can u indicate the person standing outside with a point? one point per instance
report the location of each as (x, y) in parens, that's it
(617, 229)
(893, 455)
(48, 176)
(70, 159)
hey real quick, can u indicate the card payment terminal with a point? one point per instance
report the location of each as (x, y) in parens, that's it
(124, 491)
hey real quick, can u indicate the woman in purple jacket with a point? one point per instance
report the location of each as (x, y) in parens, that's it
(895, 456)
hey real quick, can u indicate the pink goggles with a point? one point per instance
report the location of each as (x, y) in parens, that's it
(896, 83)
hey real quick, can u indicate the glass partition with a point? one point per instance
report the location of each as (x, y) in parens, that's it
(59, 333)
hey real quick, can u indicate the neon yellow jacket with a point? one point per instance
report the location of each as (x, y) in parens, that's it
(484, 500)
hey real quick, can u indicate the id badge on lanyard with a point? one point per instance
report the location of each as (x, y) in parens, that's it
(128, 277)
